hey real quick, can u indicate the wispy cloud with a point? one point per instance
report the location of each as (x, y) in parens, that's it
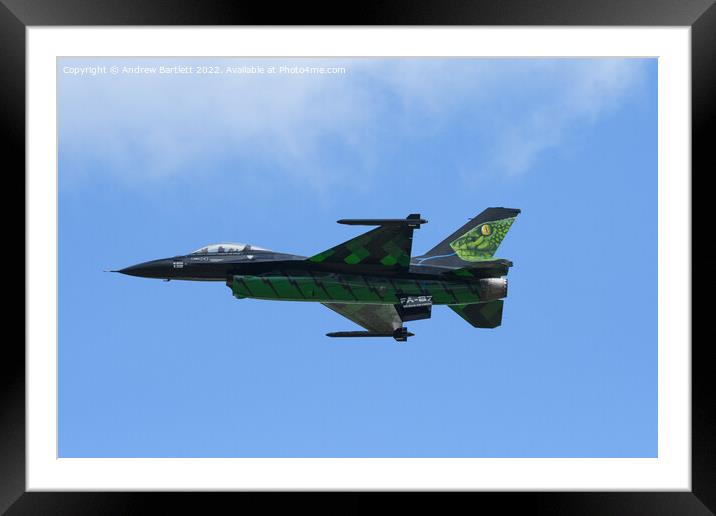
(318, 130)
(581, 95)
(156, 127)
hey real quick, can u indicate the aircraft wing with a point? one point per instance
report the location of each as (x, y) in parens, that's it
(388, 245)
(382, 319)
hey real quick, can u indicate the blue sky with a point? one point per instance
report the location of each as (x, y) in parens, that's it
(154, 165)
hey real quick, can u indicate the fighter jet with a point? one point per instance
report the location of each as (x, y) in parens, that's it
(372, 279)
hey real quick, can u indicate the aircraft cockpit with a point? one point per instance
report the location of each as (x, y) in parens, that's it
(228, 248)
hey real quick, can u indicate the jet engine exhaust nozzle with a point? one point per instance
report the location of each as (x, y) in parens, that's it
(494, 288)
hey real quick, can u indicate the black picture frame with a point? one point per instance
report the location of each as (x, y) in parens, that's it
(700, 15)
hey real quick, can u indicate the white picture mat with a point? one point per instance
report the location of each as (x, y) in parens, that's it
(670, 471)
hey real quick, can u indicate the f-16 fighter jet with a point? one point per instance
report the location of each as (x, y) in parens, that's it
(372, 279)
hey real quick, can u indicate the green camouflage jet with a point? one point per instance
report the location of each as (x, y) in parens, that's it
(371, 279)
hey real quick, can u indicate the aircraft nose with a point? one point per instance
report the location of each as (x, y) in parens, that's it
(154, 269)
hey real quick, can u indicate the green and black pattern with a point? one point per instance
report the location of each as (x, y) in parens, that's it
(346, 288)
(482, 315)
(387, 245)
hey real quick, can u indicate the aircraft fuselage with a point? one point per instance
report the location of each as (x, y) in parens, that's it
(280, 276)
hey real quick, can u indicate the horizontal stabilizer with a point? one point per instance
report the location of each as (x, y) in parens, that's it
(481, 315)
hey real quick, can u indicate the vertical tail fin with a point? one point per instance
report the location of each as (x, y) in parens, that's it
(475, 241)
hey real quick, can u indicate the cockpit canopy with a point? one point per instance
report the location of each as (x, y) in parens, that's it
(228, 248)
